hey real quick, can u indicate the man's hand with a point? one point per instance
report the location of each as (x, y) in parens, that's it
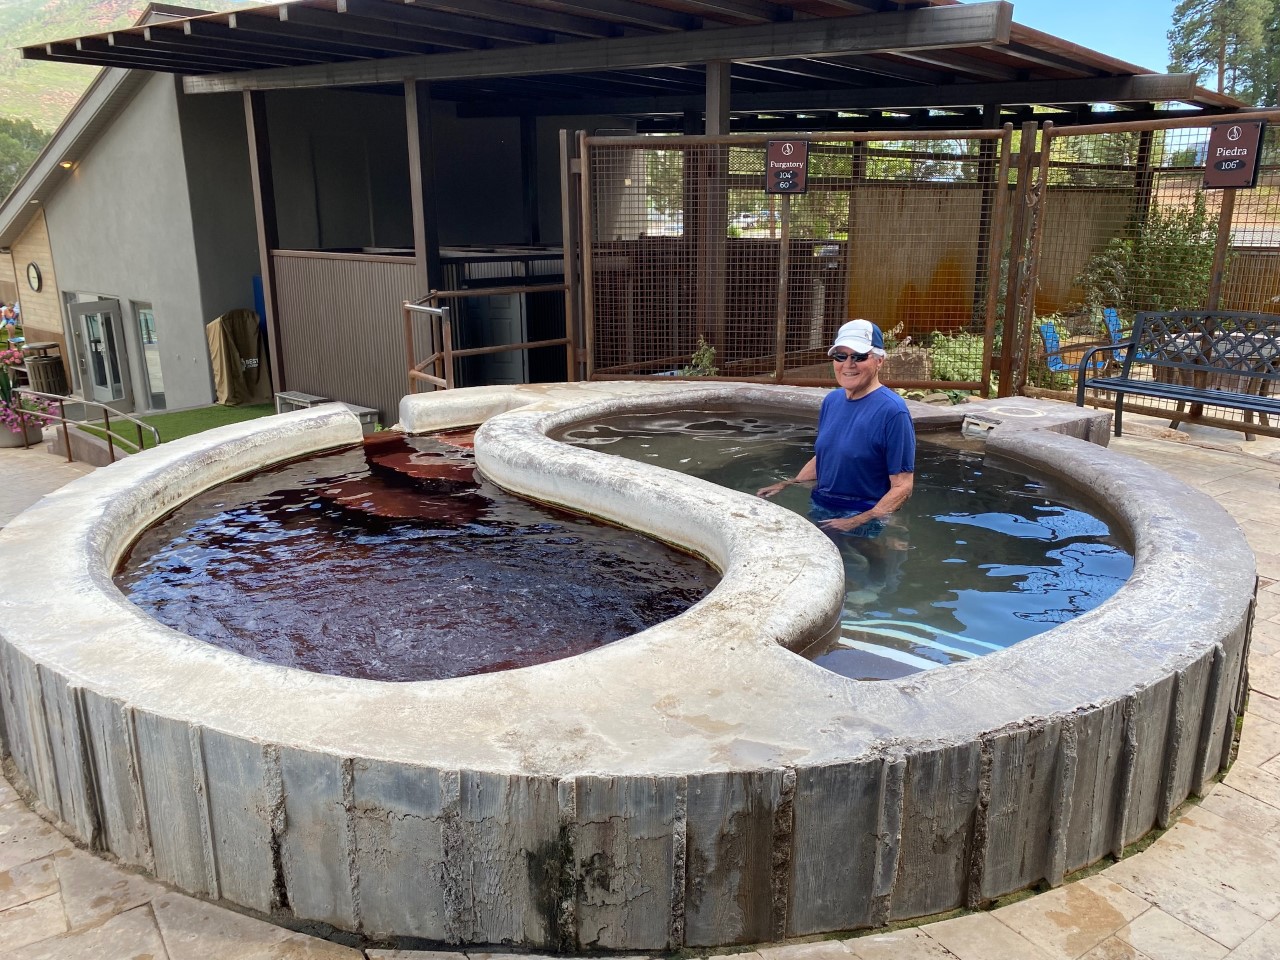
(845, 524)
(773, 489)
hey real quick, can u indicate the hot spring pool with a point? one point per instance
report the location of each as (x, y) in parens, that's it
(395, 561)
(697, 784)
(985, 553)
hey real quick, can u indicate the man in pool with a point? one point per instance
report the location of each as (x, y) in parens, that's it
(865, 455)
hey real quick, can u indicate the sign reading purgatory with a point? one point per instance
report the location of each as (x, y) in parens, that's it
(1232, 160)
(786, 166)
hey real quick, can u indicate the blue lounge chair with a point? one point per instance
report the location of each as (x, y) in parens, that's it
(1111, 318)
(1053, 353)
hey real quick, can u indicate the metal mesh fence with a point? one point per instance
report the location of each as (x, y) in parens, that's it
(692, 269)
(1126, 225)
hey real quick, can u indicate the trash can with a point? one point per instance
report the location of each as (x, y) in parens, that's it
(45, 375)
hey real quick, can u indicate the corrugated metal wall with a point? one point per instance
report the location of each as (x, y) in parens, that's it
(342, 327)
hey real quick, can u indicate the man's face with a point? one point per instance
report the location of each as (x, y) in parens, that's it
(854, 376)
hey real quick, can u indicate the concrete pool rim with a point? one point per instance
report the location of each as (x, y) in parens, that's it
(276, 790)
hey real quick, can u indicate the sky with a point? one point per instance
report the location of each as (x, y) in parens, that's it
(1132, 30)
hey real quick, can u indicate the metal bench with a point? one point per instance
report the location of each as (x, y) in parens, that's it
(1203, 358)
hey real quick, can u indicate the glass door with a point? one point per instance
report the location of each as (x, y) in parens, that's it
(101, 353)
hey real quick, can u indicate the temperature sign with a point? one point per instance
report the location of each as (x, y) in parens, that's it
(1232, 160)
(786, 166)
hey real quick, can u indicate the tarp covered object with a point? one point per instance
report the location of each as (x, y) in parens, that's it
(238, 352)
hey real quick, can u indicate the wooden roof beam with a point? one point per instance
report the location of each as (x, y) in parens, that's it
(418, 16)
(340, 43)
(953, 62)
(178, 44)
(887, 67)
(344, 25)
(180, 37)
(970, 24)
(1156, 86)
(630, 14)
(68, 52)
(746, 11)
(520, 15)
(143, 53)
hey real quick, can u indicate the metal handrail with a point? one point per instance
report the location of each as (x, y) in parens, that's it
(64, 423)
(441, 361)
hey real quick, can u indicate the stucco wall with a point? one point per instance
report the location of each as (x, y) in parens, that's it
(121, 228)
(216, 147)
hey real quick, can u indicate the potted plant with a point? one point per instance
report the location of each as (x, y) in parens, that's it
(16, 411)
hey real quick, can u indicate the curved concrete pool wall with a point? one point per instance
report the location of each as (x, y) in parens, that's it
(696, 784)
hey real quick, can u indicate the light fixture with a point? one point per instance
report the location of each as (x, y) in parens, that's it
(66, 164)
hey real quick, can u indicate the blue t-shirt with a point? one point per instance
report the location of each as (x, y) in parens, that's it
(860, 444)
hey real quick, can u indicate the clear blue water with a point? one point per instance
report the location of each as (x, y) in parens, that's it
(983, 554)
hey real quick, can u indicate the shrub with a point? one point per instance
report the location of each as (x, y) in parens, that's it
(956, 357)
(1167, 265)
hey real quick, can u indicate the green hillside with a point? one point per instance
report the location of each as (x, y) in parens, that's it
(44, 92)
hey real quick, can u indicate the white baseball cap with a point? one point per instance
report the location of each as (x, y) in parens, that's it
(860, 336)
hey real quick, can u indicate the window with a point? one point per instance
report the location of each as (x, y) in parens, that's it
(150, 354)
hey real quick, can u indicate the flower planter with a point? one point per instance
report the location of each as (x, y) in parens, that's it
(10, 439)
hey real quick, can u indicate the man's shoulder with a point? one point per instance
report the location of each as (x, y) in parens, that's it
(890, 398)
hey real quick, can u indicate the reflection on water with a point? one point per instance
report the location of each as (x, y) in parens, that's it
(981, 556)
(402, 566)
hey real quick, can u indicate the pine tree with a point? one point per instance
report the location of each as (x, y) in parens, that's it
(1224, 36)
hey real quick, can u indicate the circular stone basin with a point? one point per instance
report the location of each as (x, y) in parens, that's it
(395, 562)
(696, 784)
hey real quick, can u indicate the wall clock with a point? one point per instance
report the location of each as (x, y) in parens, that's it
(34, 278)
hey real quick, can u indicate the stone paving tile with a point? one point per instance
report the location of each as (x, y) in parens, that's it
(131, 935)
(194, 930)
(7, 793)
(909, 944)
(1236, 862)
(25, 837)
(1264, 674)
(1176, 891)
(1263, 537)
(377, 954)
(27, 882)
(1260, 705)
(1261, 783)
(1263, 945)
(1162, 937)
(32, 922)
(818, 950)
(1113, 948)
(1260, 738)
(980, 936)
(93, 889)
(1066, 922)
(1240, 808)
(1264, 642)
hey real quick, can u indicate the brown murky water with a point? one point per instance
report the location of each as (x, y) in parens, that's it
(399, 562)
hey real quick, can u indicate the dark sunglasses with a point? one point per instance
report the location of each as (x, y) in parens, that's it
(841, 357)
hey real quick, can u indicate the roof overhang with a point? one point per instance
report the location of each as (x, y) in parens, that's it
(96, 109)
(644, 57)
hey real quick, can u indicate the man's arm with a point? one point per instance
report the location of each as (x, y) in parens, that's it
(808, 472)
(900, 487)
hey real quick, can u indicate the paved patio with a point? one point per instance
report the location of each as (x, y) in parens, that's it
(1208, 888)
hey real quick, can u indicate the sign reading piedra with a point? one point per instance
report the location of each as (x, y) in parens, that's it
(1232, 160)
(786, 166)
